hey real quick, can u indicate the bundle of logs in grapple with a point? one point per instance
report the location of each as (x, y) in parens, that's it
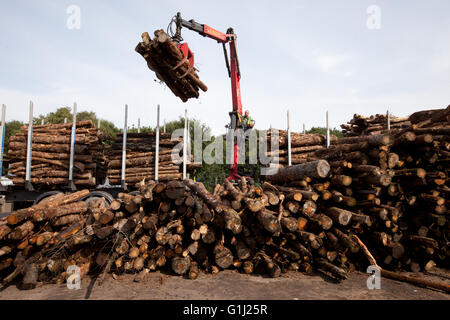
(51, 152)
(140, 158)
(170, 65)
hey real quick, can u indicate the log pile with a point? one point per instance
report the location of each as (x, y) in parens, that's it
(51, 152)
(182, 228)
(303, 147)
(140, 153)
(377, 198)
(389, 188)
(375, 124)
(168, 62)
(178, 226)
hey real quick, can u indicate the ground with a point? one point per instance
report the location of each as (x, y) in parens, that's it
(229, 285)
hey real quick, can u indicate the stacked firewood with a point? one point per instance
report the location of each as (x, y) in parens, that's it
(51, 153)
(168, 62)
(375, 124)
(140, 153)
(303, 147)
(183, 228)
(179, 226)
(393, 184)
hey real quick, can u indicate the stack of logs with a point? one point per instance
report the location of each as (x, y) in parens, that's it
(304, 147)
(168, 62)
(390, 188)
(379, 199)
(140, 154)
(177, 225)
(375, 124)
(51, 152)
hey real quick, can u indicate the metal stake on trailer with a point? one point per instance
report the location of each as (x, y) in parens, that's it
(164, 129)
(185, 144)
(124, 149)
(2, 140)
(289, 138)
(71, 185)
(28, 185)
(388, 119)
(189, 140)
(139, 125)
(328, 132)
(157, 145)
(98, 124)
(304, 129)
(65, 120)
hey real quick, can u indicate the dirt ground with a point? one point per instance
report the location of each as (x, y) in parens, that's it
(229, 285)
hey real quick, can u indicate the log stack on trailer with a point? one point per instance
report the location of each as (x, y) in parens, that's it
(140, 158)
(303, 146)
(375, 124)
(50, 155)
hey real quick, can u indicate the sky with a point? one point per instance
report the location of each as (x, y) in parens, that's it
(347, 57)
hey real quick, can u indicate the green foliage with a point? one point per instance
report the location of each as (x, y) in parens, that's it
(55, 117)
(11, 128)
(109, 130)
(322, 130)
(211, 174)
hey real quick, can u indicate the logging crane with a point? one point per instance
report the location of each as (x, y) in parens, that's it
(232, 65)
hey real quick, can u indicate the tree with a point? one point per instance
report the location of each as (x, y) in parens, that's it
(55, 117)
(322, 130)
(107, 127)
(11, 128)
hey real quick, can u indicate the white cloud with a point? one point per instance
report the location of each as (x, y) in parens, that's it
(328, 62)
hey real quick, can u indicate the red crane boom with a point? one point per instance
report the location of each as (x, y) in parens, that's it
(232, 66)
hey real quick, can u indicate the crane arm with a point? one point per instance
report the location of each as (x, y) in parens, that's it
(232, 65)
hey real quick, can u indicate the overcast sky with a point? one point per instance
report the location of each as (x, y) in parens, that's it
(306, 56)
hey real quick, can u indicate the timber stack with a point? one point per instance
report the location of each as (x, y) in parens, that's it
(383, 196)
(168, 62)
(303, 147)
(375, 124)
(390, 188)
(51, 152)
(140, 158)
(178, 226)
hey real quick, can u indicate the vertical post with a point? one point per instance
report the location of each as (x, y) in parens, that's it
(2, 140)
(185, 144)
(304, 129)
(65, 120)
(98, 123)
(388, 119)
(72, 147)
(139, 125)
(328, 132)
(164, 125)
(157, 145)
(289, 138)
(42, 121)
(28, 185)
(124, 149)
